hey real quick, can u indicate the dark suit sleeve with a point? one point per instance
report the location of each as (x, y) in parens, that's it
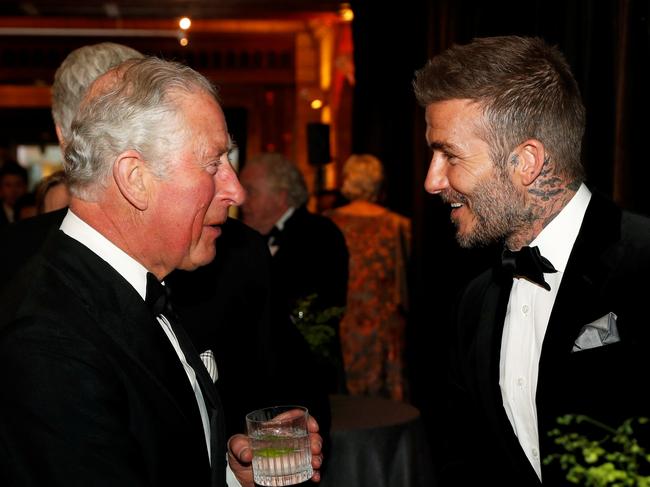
(62, 418)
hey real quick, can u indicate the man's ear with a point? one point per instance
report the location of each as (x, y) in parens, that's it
(131, 176)
(530, 156)
(59, 135)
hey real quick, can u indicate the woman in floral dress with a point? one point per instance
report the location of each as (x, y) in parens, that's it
(378, 240)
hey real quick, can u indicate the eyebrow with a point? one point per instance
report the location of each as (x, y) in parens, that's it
(443, 147)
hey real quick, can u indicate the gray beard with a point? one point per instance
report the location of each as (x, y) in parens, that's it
(499, 212)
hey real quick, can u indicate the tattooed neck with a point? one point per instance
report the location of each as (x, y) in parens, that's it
(546, 198)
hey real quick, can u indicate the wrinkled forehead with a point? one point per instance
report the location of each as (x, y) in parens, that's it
(203, 120)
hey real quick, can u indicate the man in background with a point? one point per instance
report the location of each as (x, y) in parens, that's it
(13, 185)
(310, 256)
(77, 71)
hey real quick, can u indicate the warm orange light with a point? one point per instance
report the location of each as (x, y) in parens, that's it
(346, 13)
(316, 104)
(184, 41)
(185, 23)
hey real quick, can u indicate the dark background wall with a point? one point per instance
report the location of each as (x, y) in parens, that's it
(607, 44)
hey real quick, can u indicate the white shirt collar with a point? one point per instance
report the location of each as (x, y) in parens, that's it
(556, 240)
(129, 268)
(283, 219)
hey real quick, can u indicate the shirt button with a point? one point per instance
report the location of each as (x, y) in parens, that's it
(525, 309)
(521, 382)
(535, 452)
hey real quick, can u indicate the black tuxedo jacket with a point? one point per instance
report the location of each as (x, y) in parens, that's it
(93, 391)
(225, 306)
(606, 272)
(312, 258)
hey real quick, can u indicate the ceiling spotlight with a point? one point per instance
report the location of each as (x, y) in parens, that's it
(185, 23)
(184, 41)
(346, 13)
(316, 104)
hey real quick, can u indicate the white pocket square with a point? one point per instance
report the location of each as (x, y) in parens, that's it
(601, 332)
(210, 363)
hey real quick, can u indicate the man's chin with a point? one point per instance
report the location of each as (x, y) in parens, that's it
(465, 239)
(198, 262)
(202, 254)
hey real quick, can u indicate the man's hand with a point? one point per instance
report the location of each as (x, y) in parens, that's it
(240, 455)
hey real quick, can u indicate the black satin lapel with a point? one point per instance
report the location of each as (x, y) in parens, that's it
(121, 314)
(488, 341)
(193, 358)
(590, 265)
(488, 345)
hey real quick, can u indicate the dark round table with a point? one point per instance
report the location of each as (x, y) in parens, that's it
(377, 443)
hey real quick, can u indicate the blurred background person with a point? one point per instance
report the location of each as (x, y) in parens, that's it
(373, 327)
(52, 193)
(19, 242)
(13, 184)
(25, 207)
(310, 257)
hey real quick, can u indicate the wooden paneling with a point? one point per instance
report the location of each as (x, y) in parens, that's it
(14, 96)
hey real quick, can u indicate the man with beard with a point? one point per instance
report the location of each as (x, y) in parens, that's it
(535, 337)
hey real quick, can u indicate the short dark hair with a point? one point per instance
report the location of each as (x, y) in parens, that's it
(12, 167)
(525, 88)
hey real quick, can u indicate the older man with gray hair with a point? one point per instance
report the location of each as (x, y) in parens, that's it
(110, 390)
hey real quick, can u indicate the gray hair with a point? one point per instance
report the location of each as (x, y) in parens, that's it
(77, 72)
(525, 89)
(363, 176)
(137, 109)
(283, 175)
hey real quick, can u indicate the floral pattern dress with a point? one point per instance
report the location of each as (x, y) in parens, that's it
(373, 326)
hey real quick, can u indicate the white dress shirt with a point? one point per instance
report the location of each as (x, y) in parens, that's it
(136, 274)
(527, 317)
(273, 246)
(9, 212)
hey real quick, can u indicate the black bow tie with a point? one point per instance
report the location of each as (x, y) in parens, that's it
(528, 263)
(158, 297)
(272, 236)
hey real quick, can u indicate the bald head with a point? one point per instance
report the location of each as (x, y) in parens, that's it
(76, 73)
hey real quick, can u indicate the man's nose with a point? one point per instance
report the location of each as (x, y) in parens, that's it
(436, 179)
(230, 188)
